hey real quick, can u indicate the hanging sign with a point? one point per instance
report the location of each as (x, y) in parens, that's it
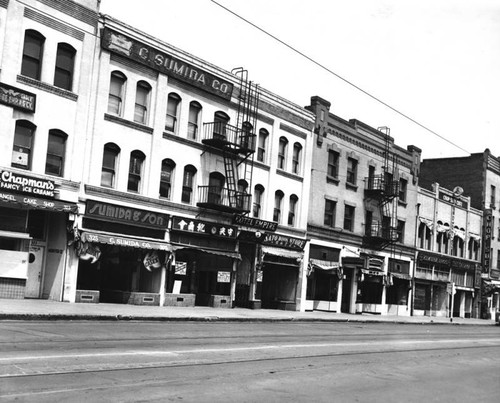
(152, 261)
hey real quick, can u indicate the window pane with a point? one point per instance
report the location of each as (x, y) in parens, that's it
(53, 166)
(107, 178)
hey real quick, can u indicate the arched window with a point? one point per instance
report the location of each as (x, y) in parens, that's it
(32, 54)
(173, 103)
(109, 162)
(135, 171)
(246, 139)
(278, 201)
(473, 249)
(166, 178)
(257, 201)
(56, 148)
(442, 237)
(292, 208)
(261, 148)
(23, 144)
(194, 118)
(188, 183)
(142, 102)
(221, 120)
(297, 153)
(424, 236)
(215, 184)
(282, 151)
(65, 63)
(116, 93)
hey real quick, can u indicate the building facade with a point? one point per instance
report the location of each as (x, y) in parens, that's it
(448, 267)
(361, 218)
(479, 176)
(182, 202)
(46, 53)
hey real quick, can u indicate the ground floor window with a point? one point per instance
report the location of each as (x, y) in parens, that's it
(322, 285)
(370, 290)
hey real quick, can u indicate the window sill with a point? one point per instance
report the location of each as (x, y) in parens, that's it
(351, 186)
(128, 123)
(402, 203)
(331, 179)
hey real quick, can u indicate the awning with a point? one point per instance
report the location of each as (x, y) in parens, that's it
(428, 223)
(324, 265)
(402, 276)
(280, 252)
(13, 234)
(372, 272)
(118, 240)
(39, 203)
(217, 252)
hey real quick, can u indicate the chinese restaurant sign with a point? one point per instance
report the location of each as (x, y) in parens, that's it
(165, 63)
(17, 98)
(126, 215)
(203, 227)
(24, 184)
(487, 232)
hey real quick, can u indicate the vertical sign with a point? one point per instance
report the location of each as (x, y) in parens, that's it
(488, 228)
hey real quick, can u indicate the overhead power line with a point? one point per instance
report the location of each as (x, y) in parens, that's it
(340, 77)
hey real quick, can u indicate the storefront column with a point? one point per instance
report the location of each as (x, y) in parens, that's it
(302, 282)
(70, 276)
(163, 279)
(233, 283)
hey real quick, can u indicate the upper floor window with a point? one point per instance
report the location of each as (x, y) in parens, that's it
(187, 184)
(135, 171)
(473, 249)
(55, 153)
(352, 171)
(262, 145)
(442, 238)
(403, 185)
(116, 93)
(32, 54)
(65, 63)
(167, 172)
(23, 144)
(297, 152)
(257, 201)
(333, 164)
(493, 196)
(424, 236)
(349, 218)
(282, 150)
(401, 231)
(142, 102)
(194, 117)
(109, 162)
(173, 103)
(221, 121)
(215, 185)
(330, 207)
(278, 201)
(292, 208)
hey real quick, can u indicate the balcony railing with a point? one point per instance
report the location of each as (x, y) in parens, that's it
(223, 135)
(377, 230)
(379, 184)
(223, 199)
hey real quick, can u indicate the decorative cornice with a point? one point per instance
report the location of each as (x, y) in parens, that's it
(74, 10)
(54, 24)
(190, 143)
(47, 88)
(293, 131)
(128, 123)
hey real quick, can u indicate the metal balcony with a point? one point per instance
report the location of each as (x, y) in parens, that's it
(380, 187)
(229, 138)
(378, 236)
(223, 199)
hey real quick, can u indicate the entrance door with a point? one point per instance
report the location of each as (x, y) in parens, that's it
(346, 291)
(35, 268)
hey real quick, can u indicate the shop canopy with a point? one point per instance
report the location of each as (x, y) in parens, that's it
(281, 252)
(118, 240)
(217, 252)
(29, 201)
(401, 276)
(324, 265)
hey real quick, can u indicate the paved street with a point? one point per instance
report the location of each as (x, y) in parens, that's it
(247, 361)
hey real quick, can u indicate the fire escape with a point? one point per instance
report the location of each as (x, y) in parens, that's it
(238, 144)
(382, 192)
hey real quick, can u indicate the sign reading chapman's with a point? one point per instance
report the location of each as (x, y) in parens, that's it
(118, 43)
(25, 184)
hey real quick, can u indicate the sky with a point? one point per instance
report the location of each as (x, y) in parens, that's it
(437, 62)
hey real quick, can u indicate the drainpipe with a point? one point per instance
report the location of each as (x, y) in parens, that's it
(412, 299)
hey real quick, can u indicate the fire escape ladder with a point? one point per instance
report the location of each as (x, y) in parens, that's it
(230, 166)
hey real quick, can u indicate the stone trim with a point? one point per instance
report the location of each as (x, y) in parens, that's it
(47, 87)
(74, 10)
(128, 123)
(54, 24)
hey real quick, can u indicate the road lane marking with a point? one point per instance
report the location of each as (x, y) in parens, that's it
(391, 343)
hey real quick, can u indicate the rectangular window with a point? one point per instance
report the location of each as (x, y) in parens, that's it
(349, 218)
(55, 154)
(330, 207)
(368, 223)
(493, 196)
(23, 142)
(333, 164)
(401, 231)
(352, 171)
(403, 184)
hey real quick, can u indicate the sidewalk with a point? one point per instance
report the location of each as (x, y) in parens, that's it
(35, 309)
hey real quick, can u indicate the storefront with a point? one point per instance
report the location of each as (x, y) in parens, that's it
(122, 253)
(204, 263)
(33, 235)
(371, 279)
(324, 276)
(399, 285)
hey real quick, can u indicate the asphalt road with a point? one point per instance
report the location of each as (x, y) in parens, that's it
(247, 362)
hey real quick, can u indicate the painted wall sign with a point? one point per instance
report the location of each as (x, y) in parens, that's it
(127, 215)
(203, 227)
(17, 98)
(38, 203)
(431, 258)
(255, 223)
(165, 63)
(456, 201)
(487, 232)
(25, 184)
(284, 241)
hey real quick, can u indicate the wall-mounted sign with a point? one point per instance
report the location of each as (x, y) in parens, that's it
(255, 223)
(165, 63)
(487, 232)
(17, 98)
(203, 227)
(127, 215)
(434, 259)
(284, 241)
(456, 201)
(25, 184)
(223, 276)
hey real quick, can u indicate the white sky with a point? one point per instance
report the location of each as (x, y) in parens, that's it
(437, 61)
